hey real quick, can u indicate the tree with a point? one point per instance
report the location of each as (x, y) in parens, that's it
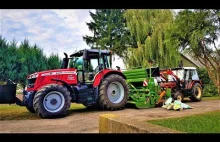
(16, 62)
(30, 59)
(110, 32)
(149, 28)
(8, 59)
(54, 61)
(3, 52)
(197, 32)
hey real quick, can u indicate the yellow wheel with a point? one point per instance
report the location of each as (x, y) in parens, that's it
(178, 96)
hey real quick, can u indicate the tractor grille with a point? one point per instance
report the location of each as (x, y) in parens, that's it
(31, 82)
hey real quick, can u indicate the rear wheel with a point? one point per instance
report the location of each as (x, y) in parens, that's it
(113, 92)
(196, 93)
(52, 101)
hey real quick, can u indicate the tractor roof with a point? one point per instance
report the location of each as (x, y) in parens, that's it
(192, 68)
(180, 68)
(80, 52)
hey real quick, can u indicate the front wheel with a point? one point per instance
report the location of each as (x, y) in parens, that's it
(113, 93)
(52, 101)
(178, 96)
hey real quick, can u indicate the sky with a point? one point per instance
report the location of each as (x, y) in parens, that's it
(53, 30)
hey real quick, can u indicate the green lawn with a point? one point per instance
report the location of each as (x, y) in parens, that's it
(211, 98)
(14, 112)
(201, 123)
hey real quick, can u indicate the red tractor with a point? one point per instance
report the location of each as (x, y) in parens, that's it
(183, 81)
(86, 77)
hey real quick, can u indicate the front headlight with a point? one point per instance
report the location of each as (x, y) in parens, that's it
(33, 76)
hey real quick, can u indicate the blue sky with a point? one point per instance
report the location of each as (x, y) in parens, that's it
(55, 31)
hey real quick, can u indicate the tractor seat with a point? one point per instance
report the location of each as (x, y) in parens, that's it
(168, 84)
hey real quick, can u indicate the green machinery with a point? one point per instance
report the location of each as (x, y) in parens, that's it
(144, 91)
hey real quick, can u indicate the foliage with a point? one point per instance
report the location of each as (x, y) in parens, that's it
(197, 32)
(15, 112)
(209, 88)
(16, 62)
(149, 29)
(53, 61)
(109, 30)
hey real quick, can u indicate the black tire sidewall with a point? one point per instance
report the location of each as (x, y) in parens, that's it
(178, 94)
(38, 104)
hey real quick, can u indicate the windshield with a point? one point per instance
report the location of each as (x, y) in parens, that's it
(92, 63)
(178, 73)
(76, 62)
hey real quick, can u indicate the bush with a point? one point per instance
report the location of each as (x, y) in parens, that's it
(209, 88)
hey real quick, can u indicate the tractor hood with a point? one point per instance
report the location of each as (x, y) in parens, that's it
(52, 72)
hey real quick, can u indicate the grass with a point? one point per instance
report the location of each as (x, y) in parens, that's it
(211, 98)
(200, 123)
(14, 112)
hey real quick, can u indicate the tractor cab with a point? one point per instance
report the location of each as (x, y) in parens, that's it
(89, 62)
(186, 75)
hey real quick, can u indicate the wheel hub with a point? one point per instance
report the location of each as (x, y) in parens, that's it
(196, 92)
(115, 92)
(53, 101)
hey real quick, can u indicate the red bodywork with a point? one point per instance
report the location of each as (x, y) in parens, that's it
(44, 77)
(99, 76)
(67, 75)
(172, 84)
(168, 84)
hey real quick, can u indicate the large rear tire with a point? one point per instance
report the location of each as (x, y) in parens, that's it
(196, 93)
(113, 93)
(52, 101)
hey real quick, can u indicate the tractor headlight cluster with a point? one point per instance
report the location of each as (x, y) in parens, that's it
(33, 76)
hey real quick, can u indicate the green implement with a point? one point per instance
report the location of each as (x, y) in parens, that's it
(144, 92)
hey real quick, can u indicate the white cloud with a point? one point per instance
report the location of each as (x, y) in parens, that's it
(55, 31)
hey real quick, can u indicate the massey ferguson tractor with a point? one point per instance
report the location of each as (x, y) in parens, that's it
(86, 77)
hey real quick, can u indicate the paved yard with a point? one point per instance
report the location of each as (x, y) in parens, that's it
(87, 121)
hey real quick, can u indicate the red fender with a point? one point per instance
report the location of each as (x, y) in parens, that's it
(102, 74)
